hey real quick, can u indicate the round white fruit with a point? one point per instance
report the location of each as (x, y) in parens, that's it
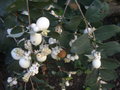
(17, 53)
(34, 27)
(41, 58)
(9, 79)
(14, 82)
(35, 38)
(96, 63)
(43, 23)
(24, 63)
(88, 30)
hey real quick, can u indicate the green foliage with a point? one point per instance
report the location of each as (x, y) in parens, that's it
(110, 64)
(11, 16)
(110, 48)
(108, 75)
(90, 81)
(97, 11)
(72, 24)
(106, 32)
(81, 45)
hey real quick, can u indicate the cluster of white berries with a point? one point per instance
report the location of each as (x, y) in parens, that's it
(55, 51)
(12, 81)
(33, 70)
(41, 24)
(95, 57)
(71, 58)
(38, 31)
(23, 57)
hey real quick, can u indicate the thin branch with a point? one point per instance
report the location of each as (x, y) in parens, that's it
(25, 86)
(87, 25)
(28, 9)
(67, 3)
(32, 84)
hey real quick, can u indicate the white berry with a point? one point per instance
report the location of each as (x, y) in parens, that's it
(14, 82)
(33, 25)
(40, 57)
(9, 79)
(67, 83)
(17, 53)
(43, 23)
(24, 63)
(96, 63)
(76, 57)
(35, 38)
(52, 41)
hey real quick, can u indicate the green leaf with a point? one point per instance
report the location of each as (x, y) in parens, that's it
(110, 48)
(91, 78)
(95, 87)
(14, 66)
(73, 23)
(110, 64)
(107, 86)
(10, 21)
(5, 43)
(35, 79)
(108, 75)
(86, 2)
(65, 38)
(17, 5)
(106, 32)
(77, 64)
(97, 11)
(3, 5)
(40, 0)
(39, 5)
(81, 45)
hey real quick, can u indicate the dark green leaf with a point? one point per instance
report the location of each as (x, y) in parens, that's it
(3, 5)
(107, 86)
(14, 66)
(77, 64)
(65, 38)
(91, 78)
(10, 21)
(110, 48)
(40, 4)
(17, 5)
(35, 79)
(81, 45)
(86, 2)
(97, 11)
(108, 75)
(5, 43)
(106, 32)
(110, 64)
(73, 23)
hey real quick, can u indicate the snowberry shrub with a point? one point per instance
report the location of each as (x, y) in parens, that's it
(58, 38)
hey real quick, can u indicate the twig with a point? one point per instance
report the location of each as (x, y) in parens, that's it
(32, 84)
(87, 25)
(67, 3)
(25, 86)
(28, 9)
